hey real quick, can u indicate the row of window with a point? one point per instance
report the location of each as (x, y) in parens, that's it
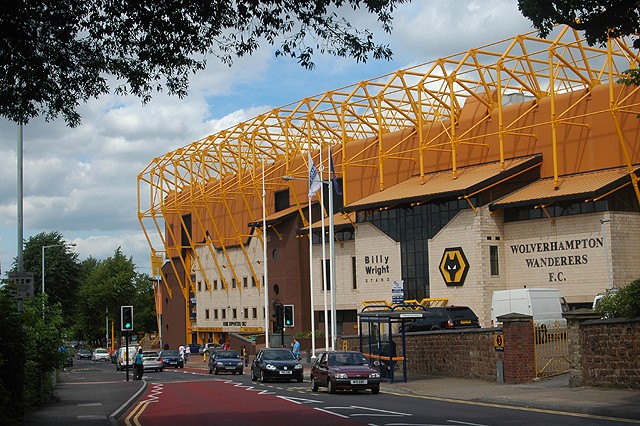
(222, 313)
(214, 284)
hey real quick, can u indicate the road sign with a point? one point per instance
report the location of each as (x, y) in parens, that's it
(22, 282)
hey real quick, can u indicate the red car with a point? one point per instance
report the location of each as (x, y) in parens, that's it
(344, 370)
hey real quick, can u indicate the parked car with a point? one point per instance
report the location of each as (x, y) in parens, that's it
(225, 360)
(207, 347)
(100, 354)
(67, 355)
(276, 364)
(171, 358)
(442, 318)
(125, 360)
(344, 370)
(195, 348)
(84, 354)
(151, 360)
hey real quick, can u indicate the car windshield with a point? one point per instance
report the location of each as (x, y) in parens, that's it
(226, 354)
(169, 353)
(101, 351)
(347, 359)
(278, 355)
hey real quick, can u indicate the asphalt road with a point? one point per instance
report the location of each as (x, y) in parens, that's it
(93, 391)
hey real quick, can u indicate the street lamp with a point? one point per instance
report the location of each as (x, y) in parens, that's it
(43, 249)
(332, 258)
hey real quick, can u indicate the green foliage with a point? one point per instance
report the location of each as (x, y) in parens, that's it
(622, 304)
(54, 55)
(307, 334)
(107, 285)
(599, 19)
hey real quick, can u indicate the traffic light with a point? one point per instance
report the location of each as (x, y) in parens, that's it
(126, 318)
(279, 315)
(288, 315)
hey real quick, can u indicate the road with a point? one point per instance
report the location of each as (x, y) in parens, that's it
(94, 390)
(235, 399)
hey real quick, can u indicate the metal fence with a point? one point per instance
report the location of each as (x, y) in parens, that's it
(551, 350)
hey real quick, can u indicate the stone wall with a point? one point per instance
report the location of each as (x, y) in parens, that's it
(455, 353)
(610, 353)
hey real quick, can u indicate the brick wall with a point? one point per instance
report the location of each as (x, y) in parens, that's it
(468, 354)
(610, 353)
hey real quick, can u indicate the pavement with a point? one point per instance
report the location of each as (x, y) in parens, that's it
(552, 394)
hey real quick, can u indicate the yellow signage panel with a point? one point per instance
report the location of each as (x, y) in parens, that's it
(250, 329)
(498, 341)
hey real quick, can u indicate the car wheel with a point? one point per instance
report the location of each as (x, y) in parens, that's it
(330, 386)
(262, 378)
(375, 390)
(253, 375)
(314, 385)
(299, 380)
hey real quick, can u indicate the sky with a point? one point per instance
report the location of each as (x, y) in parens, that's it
(82, 182)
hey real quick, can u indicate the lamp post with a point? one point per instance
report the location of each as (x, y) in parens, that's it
(43, 249)
(332, 258)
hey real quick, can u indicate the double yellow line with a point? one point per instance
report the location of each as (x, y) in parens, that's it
(134, 415)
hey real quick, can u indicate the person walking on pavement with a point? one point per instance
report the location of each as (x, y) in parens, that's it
(187, 353)
(296, 348)
(181, 352)
(138, 367)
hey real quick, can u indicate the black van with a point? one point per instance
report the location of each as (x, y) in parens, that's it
(443, 318)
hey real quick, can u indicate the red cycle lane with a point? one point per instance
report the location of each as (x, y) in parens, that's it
(216, 402)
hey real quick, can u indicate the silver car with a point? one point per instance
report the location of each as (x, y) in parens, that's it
(151, 360)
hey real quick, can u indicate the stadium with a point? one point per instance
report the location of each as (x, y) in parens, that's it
(509, 165)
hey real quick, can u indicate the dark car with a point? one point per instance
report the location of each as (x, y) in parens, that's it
(442, 318)
(276, 364)
(67, 355)
(171, 358)
(225, 360)
(344, 370)
(84, 354)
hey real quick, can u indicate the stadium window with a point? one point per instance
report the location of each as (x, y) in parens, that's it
(215, 284)
(199, 285)
(253, 281)
(255, 312)
(206, 314)
(224, 313)
(246, 313)
(235, 313)
(245, 282)
(493, 260)
(354, 277)
(233, 283)
(215, 314)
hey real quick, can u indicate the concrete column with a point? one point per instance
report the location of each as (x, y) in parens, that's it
(574, 319)
(519, 348)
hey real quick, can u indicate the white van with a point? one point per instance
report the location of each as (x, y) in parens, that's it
(545, 305)
(123, 361)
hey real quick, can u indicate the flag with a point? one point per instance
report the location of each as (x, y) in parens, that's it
(314, 179)
(333, 174)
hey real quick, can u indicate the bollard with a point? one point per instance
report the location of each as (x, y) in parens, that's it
(308, 357)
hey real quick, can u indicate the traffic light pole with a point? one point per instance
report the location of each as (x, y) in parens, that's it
(126, 354)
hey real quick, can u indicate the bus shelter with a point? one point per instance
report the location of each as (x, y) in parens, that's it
(382, 337)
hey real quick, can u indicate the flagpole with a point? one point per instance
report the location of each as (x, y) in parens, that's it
(313, 319)
(324, 263)
(265, 284)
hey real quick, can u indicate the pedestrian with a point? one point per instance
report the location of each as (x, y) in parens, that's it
(187, 353)
(181, 352)
(138, 367)
(243, 354)
(296, 348)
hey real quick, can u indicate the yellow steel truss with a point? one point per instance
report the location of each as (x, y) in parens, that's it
(219, 177)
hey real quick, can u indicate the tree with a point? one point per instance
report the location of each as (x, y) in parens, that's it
(109, 284)
(599, 19)
(55, 55)
(62, 273)
(624, 303)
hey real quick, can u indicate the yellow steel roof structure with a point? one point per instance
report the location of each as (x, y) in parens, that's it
(218, 179)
